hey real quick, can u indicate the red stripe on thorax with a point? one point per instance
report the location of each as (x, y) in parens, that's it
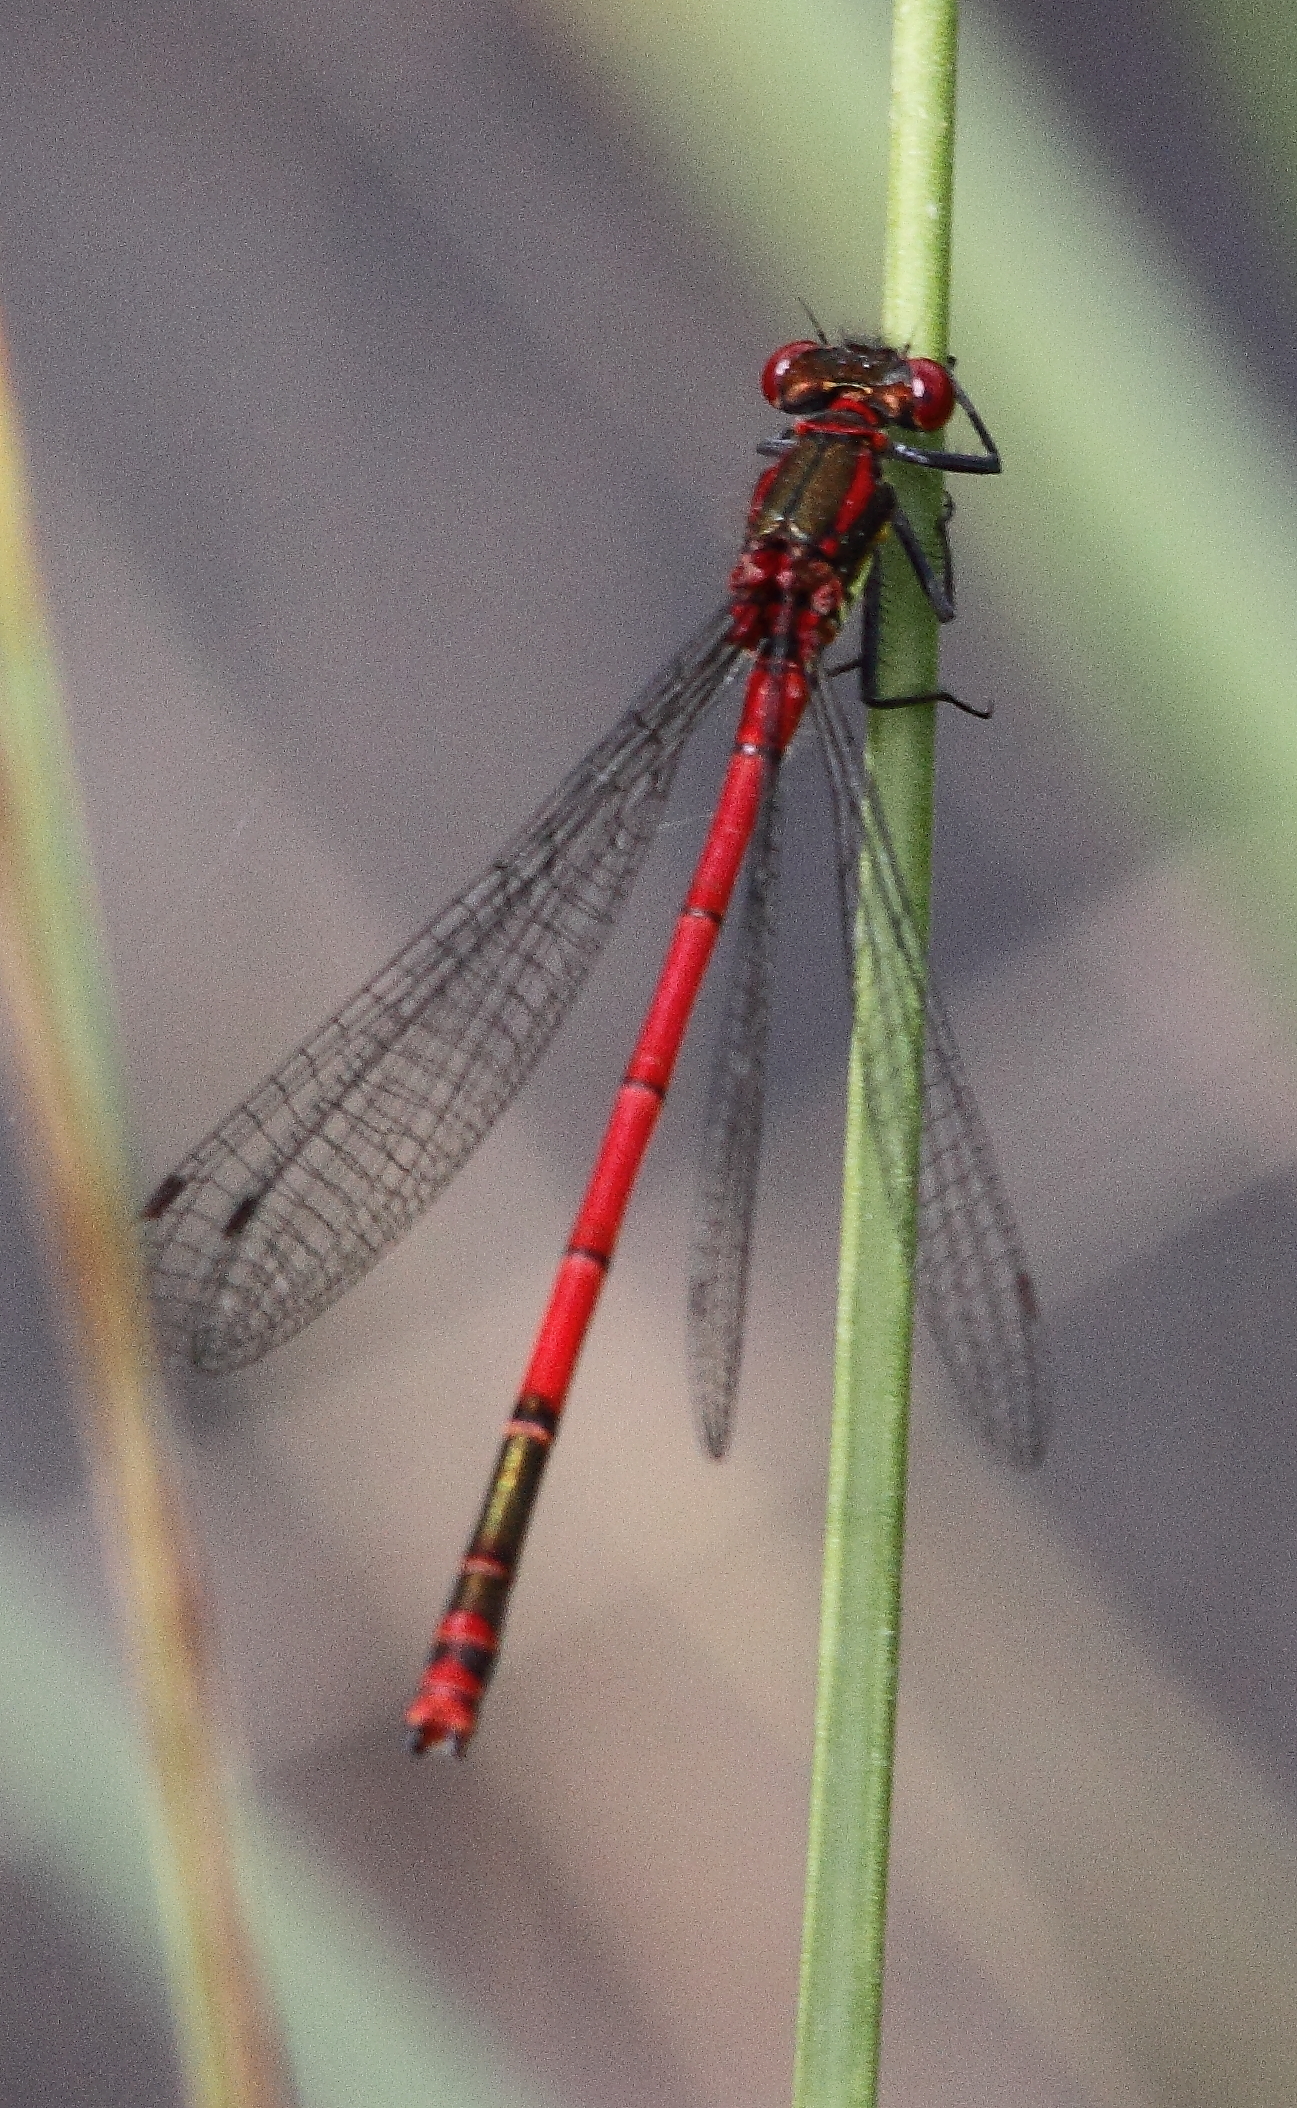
(859, 491)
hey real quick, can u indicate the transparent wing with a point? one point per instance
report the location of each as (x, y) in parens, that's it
(727, 1183)
(297, 1193)
(972, 1276)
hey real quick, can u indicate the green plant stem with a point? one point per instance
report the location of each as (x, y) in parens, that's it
(840, 2011)
(60, 1019)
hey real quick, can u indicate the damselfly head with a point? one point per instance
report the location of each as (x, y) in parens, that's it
(805, 377)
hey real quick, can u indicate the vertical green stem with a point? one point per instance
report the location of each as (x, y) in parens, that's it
(51, 985)
(840, 2011)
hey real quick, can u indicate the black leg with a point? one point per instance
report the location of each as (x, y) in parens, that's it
(940, 592)
(987, 464)
(933, 695)
(871, 612)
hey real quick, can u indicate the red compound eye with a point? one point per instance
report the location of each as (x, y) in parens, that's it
(933, 394)
(775, 371)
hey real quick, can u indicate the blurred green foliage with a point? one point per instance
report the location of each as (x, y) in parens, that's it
(1249, 55)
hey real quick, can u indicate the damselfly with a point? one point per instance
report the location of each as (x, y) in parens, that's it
(294, 1196)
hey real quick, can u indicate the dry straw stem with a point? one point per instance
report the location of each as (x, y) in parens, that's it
(64, 1070)
(840, 2011)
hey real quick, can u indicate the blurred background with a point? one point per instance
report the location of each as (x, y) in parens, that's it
(390, 379)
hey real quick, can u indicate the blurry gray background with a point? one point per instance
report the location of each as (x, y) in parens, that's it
(391, 414)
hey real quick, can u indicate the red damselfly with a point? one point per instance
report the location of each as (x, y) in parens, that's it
(294, 1196)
